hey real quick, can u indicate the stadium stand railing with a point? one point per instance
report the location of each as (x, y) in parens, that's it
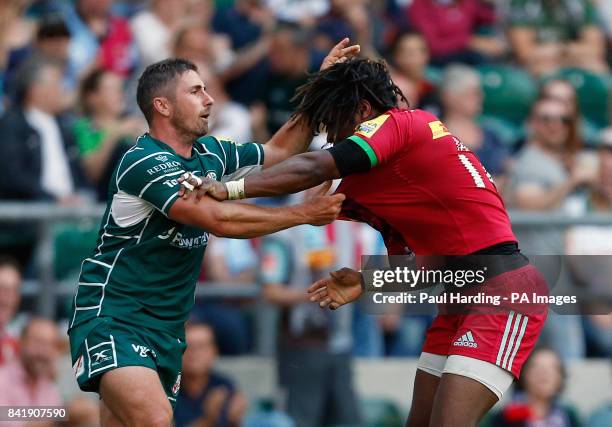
(49, 291)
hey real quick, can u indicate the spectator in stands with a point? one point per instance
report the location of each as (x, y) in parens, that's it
(153, 28)
(454, 30)
(228, 318)
(52, 41)
(249, 25)
(562, 90)
(206, 397)
(16, 30)
(545, 178)
(16, 33)
(83, 412)
(29, 379)
(592, 273)
(541, 180)
(410, 57)
(462, 97)
(10, 287)
(289, 59)
(304, 12)
(356, 19)
(99, 38)
(42, 160)
(103, 134)
(537, 401)
(222, 266)
(546, 35)
(313, 351)
(197, 43)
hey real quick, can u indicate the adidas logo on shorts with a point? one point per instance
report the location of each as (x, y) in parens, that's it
(466, 340)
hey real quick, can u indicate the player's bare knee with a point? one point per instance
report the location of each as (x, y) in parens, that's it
(158, 417)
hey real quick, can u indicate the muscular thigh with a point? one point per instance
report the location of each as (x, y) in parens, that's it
(134, 393)
(425, 387)
(460, 402)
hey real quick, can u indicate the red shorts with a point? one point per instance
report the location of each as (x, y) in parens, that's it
(506, 336)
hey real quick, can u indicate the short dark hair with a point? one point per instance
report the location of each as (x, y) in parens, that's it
(298, 36)
(8, 261)
(395, 43)
(90, 84)
(155, 80)
(522, 383)
(331, 97)
(52, 26)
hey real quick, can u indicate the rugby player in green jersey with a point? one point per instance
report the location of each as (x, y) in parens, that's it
(136, 289)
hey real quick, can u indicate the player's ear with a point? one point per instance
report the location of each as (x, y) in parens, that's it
(162, 106)
(365, 110)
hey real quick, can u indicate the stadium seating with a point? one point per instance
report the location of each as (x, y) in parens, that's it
(381, 412)
(593, 94)
(72, 243)
(508, 92)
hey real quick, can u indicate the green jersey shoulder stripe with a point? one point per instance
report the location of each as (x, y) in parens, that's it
(158, 153)
(366, 147)
(207, 152)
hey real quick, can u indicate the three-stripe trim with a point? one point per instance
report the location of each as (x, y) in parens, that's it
(511, 340)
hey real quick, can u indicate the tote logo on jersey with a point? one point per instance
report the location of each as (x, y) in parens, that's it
(438, 130)
(369, 128)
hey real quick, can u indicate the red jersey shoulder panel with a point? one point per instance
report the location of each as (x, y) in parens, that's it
(427, 187)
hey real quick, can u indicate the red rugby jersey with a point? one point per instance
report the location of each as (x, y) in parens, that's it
(426, 192)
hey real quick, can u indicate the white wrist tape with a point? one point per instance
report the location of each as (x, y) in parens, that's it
(235, 189)
(187, 185)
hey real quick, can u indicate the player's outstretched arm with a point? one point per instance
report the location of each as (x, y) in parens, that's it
(241, 220)
(290, 176)
(295, 136)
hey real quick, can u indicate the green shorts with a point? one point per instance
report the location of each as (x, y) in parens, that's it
(104, 344)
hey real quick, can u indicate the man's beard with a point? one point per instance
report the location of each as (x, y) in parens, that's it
(185, 126)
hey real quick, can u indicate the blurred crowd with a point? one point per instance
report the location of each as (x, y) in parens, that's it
(525, 84)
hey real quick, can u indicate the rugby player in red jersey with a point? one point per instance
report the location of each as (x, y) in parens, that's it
(408, 177)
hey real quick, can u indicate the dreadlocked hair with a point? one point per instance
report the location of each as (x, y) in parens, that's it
(330, 98)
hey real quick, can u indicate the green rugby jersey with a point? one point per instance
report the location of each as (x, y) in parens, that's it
(144, 268)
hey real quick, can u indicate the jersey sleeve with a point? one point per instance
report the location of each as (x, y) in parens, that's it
(379, 138)
(151, 177)
(241, 158)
